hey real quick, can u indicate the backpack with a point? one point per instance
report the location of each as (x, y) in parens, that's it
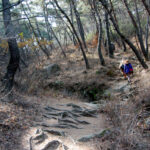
(128, 68)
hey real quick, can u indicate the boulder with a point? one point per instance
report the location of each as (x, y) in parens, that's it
(50, 70)
(53, 145)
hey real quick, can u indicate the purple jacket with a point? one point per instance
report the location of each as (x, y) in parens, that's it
(128, 68)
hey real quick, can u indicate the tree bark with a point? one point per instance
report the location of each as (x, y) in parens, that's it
(110, 52)
(147, 32)
(13, 47)
(146, 6)
(72, 19)
(100, 30)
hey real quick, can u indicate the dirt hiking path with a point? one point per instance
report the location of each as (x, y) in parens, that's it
(69, 124)
(66, 124)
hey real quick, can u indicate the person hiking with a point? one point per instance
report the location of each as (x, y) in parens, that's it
(121, 67)
(128, 69)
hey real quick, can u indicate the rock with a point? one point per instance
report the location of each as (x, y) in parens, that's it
(71, 113)
(40, 138)
(64, 126)
(77, 110)
(84, 72)
(67, 121)
(74, 106)
(82, 122)
(147, 123)
(49, 117)
(94, 106)
(44, 125)
(68, 114)
(52, 114)
(38, 131)
(50, 70)
(57, 133)
(65, 147)
(92, 136)
(89, 113)
(122, 87)
(53, 145)
(48, 108)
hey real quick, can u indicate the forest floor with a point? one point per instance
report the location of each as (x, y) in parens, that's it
(76, 109)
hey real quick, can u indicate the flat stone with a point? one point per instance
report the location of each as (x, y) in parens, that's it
(74, 106)
(53, 145)
(57, 133)
(92, 136)
(40, 138)
(67, 121)
(94, 106)
(89, 113)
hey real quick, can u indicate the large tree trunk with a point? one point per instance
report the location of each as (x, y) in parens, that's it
(110, 52)
(100, 43)
(72, 19)
(72, 26)
(147, 32)
(13, 47)
(100, 30)
(105, 5)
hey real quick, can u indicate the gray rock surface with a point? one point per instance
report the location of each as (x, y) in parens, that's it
(50, 70)
(92, 136)
(53, 145)
(40, 138)
(57, 133)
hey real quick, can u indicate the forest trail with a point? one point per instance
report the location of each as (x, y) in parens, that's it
(69, 123)
(66, 122)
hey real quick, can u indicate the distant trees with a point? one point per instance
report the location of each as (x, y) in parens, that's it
(105, 5)
(57, 24)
